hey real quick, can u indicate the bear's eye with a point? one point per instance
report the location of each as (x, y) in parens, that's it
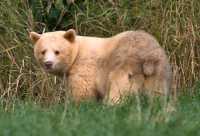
(43, 52)
(57, 52)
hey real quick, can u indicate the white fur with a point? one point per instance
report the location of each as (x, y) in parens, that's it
(50, 57)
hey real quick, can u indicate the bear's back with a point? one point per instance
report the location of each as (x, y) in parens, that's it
(129, 48)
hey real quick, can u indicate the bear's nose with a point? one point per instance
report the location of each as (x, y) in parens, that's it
(48, 64)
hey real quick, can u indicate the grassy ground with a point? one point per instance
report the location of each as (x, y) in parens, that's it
(94, 119)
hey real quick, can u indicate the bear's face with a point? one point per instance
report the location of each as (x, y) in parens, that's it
(55, 51)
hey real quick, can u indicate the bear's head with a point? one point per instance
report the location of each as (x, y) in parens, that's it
(55, 51)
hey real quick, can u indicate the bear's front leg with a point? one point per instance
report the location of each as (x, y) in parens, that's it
(82, 88)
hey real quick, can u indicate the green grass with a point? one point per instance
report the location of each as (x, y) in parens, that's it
(95, 119)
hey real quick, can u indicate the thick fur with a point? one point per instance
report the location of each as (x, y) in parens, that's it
(106, 68)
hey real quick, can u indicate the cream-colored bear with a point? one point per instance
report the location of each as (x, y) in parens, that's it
(104, 68)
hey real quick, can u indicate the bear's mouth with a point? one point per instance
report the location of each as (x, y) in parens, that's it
(51, 69)
(48, 68)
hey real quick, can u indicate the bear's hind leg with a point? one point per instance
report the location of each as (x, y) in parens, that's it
(159, 83)
(122, 84)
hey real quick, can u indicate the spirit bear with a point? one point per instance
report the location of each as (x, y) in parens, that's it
(104, 68)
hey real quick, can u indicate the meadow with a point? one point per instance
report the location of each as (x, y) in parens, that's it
(34, 103)
(89, 119)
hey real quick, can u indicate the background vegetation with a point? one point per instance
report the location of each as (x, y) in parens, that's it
(174, 23)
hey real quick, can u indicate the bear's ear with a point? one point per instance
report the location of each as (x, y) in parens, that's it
(70, 35)
(34, 36)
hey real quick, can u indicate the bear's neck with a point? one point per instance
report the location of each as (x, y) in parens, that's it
(75, 53)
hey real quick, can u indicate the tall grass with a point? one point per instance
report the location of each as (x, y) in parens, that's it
(20, 75)
(174, 23)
